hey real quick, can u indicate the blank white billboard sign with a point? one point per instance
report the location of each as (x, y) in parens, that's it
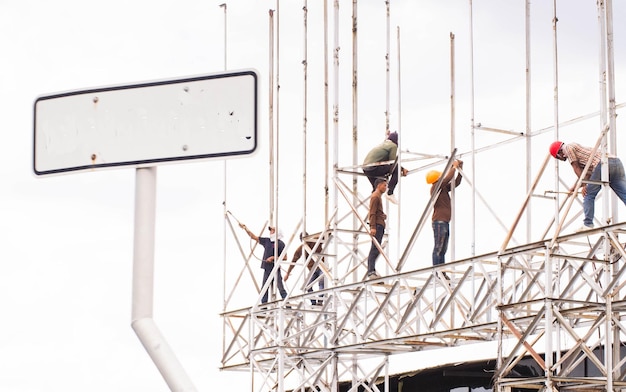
(199, 117)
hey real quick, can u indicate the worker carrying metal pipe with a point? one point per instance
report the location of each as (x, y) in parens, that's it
(442, 209)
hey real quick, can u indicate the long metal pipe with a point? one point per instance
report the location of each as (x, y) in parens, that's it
(355, 122)
(225, 194)
(610, 82)
(387, 66)
(555, 76)
(336, 49)
(609, 201)
(556, 335)
(549, 346)
(281, 350)
(143, 285)
(326, 115)
(225, 207)
(388, 113)
(335, 196)
(452, 146)
(399, 122)
(606, 195)
(305, 86)
(610, 74)
(334, 382)
(276, 168)
(472, 125)
(399, 70)
(270, 100)
(528, 127)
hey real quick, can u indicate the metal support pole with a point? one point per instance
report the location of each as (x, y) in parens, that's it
(326, 114)
(225, 189)
(305, 94)
(143, 285)
(336, 48)
(610, 74)
(355, 126)
(610, 84)
(472, 125)
(387, 67)
(529, 154)
(549, 322)
(452, 147)
(604, 169)
(271, 115)
(555, 108)
(276, 167)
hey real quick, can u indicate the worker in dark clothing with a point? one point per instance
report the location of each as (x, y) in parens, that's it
(442, 211)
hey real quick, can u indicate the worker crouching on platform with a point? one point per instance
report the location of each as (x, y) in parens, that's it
(578, 157)
(384, 152)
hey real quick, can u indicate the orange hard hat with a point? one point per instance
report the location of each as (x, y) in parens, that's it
(432, 176)
(555, 147)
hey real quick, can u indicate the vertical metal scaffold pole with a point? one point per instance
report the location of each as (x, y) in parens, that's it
(452, 146)
(472, 126)
(305, 94)
(528, 124)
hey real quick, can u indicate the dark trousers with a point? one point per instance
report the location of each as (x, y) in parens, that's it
(374, 252)
(317, 274)
(279, 278)
(373, 173)
(441, 231)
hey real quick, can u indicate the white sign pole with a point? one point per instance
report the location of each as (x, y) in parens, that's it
(143, 284)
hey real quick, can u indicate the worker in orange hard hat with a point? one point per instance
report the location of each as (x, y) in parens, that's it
(442, 211)
(578, 157)
(432, 176)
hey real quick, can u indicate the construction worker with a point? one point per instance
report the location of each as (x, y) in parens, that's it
(377, 219)
(269, 256)
(578, 157)
(309, 243)
(386, 151)
(442, 210)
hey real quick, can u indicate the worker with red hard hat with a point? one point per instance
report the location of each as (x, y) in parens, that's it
(578, 156)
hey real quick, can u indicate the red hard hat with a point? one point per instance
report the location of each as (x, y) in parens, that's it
(555, 147)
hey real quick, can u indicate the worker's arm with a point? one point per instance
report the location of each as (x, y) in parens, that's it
(251, 234)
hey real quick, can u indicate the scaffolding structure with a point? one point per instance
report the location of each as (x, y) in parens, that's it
(556, 300)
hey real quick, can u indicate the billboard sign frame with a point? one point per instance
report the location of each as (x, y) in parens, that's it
(147, 123)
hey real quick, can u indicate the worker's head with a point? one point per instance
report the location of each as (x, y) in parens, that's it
(432, 176)
(556, 150)
(274, 234)
(393, 136)
(303, 235)
(380, 184)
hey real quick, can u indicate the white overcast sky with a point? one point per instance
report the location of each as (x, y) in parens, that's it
(66, 258)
